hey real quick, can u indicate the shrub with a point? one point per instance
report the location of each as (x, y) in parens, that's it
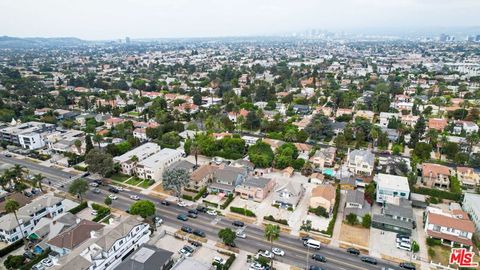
(367, 221)
(272, 219)
(433, 242)
(14, 262)
(227, 202)
(102, 212)
(319, 211)
(227, 264)
(200, 193)
(440, 194)
(331, 225)
(80, 168)
(4, 251)
(431, 252)
(187, 197)
(352, 219)
(78, 208)
(242, 211)
(415, 247)
(210, 203)
(36, 260)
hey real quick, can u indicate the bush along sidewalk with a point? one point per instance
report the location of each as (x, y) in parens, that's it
(242, 211)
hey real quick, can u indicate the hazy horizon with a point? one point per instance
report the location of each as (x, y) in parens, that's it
(150, 19)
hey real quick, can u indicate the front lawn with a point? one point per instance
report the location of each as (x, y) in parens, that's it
(120, 177)
(134, 181)
(146, 184)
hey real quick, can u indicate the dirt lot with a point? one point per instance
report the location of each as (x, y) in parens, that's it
(355, 235)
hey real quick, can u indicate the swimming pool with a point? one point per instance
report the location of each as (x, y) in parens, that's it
(328, 171)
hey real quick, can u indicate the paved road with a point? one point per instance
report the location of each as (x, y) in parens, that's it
(296, 253)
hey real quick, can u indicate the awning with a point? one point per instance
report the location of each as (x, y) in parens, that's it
(33, 236)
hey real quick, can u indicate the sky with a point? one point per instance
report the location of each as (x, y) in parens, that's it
(114, 19)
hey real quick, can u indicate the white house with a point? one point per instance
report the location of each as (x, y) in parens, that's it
(471, 205)
(27, 135)
(390, 188)
(361, 162)
(45, 206)
(385, 118)
(153, 166)
(142, 152)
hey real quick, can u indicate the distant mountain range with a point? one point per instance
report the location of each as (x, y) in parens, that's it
(15, 42)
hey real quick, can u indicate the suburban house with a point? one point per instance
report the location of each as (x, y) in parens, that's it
(369, 115)
(255, 188)
(437, 123)
(127, 165)
(148, 257)
(288, 195)
(153, 166)
(47, 205)
(226, 179)
(391, 188)
(324, 157)
(361, 162)
(68, 240)
(468, 126)
(453, 227)
(323, 196)
(108, 247)
(356, 204)
(395, 217)
(471, 205)
(140, 133)
(435, 175)
(468, 177)
(386, 117)
(200, 176)
(47, 228)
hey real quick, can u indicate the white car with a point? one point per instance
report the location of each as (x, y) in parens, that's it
(241, 234)
(219, 260)
(265, 253)
(94, 212)
(256, 266)
(119, 188)
(47, 262)
(212, 212)
(182, 204)
(134, 197)
(93, 184)
(113, 197)
(278, 252)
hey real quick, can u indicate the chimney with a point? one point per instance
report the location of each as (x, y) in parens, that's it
(92, 234)
(77, 220)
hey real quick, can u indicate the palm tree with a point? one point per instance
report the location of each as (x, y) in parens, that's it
(97, 138)
(195, 150)
(12, 206)
(472, 140)
(78, 145)
(4, 181)
(37, 181)
(272, 232)
(374, 133)
(18, 171)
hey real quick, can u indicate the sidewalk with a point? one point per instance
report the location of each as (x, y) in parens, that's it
(338, 222)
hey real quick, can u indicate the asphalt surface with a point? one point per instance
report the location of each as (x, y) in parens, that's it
(295, 252)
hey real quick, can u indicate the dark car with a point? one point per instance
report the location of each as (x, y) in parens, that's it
(166, 203)
(369, 260)
(27, 193)
(199, 233)
(195, 243)
(353, 251)
(29, 255)
(409, 266)
(238, 223)
(98, 181)
(187, 229)
(8, 155)
(305, 238)
(192, 215)
(193, 211)
(205, 195)
(314, 267)
(182, 217)
(202, 209)
(318, 257)
(113, 190)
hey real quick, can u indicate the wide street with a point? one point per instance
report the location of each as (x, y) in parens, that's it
(295, 252)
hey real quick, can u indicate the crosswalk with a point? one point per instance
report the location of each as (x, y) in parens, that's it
(58, 183)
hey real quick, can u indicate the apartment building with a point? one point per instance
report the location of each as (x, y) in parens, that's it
(108, 247)
(27, 135)
(153, 166)
(471, 205)
(391, 188)
(127, 165)
(28, 216)
(452, 228)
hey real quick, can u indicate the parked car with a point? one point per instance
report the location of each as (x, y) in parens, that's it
(158, 220)
(134, 197)
(278, 251)
(27, 193)
(93, 184)
(319, 258)
(265, 253)
(219, 260)
(182, 204)
(38, 266)
(166, 203)
(182, 217)
(8, 155)
(120, 188)
(202, 209)
(212, 212)
(369, 260)
(113, 190)
(314, 267)
(256, 266)
(238, 223)
(96, 190)
(113, 197)
(353, 251)
(47, 262)
(232, 244)
(29, 255)
(409, 266)
(193, 211)
(187, 229)
(195, 243)
(199, 233)
(98, 181)
(241, 234)
(187, 250)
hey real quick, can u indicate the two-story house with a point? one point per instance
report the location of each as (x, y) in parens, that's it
(361, 162)
(323, 196)
(255, 188)
(452, 228)
(288, 195)
(226, 179)
(324, 157)
(468, 177)
(355, 203)
(129, 160)
(391, 188)
(435, 175)
(395, 217)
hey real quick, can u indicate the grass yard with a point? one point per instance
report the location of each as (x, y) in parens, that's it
(134, 181)
(145, 184)
(442, 255)
(120, 177)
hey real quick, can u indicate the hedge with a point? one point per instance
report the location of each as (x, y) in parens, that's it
(331, 224)
(227, 202)
(227, 264)
(6, 250)
(80, 168)
(200, 193)
(78, 208)
(441, 194)
(210, 203)
(102, 212)
(242, 211)
(36, 260)
(187, 197)
(272, 219)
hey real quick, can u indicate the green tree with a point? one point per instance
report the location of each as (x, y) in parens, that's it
(227, 235)
(14, 261)
(418, 131)
(252, 121)
(261, 154)
(108, 201)
(170, 140)
(271, 233)
(78, 188)
(415, 247)
(37, 180)
(98, 139)
(320, 128)
(99, 162)
(174, 180)
(352, 219)
(422, 151)
(88, 143)
(367, 221)
(11, 207)
(143, 208)
(78, 145)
